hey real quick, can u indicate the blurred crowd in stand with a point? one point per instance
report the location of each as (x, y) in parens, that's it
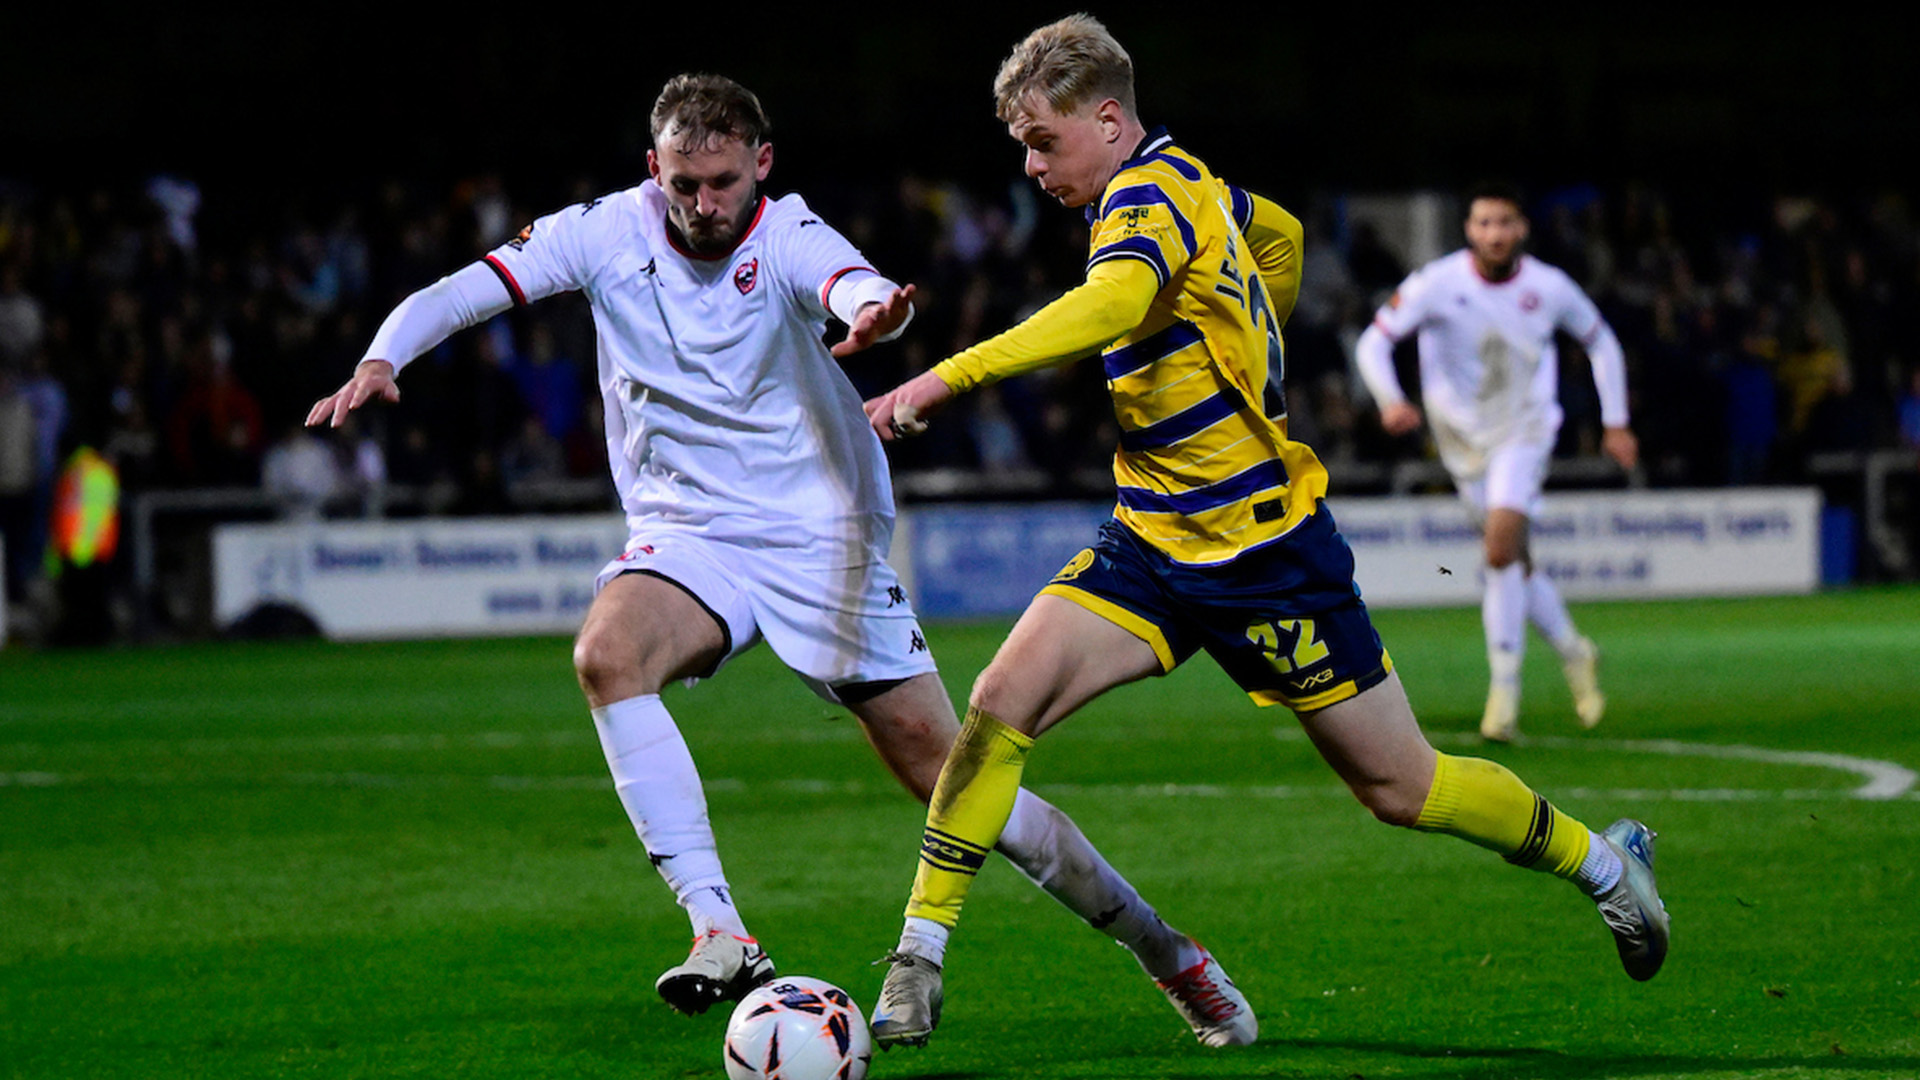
(186, 343)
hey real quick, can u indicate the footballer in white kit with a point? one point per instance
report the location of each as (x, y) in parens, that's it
(1485, 317)
(737, 444)
(757, 500)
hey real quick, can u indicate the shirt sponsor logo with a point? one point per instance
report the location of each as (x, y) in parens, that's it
(746, 276)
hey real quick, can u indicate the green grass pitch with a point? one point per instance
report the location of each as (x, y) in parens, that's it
(400, 860)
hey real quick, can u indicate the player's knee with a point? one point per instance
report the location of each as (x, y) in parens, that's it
(1392, 804)
(604, 667)
(995, 694)
(1502, 554)
(987, 694)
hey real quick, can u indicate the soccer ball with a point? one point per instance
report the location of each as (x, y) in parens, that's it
(797, 1028)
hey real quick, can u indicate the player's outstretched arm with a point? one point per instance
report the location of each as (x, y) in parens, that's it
(371, 379)
(464, 298)
(876, 322)
(905, 409)
(1112, 300)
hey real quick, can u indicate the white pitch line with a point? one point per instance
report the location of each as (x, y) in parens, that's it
(1884, 780)
(396, 742)
(813, 786)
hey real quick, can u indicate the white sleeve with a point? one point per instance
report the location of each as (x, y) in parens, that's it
(1406, 309)
(552, 255)
(464, 298)
(1581, 318)
(1373, 353)
(854, 288)
(827, 273)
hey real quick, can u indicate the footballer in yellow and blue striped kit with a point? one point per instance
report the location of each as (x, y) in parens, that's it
(1219, 539)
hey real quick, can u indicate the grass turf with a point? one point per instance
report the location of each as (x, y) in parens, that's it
(279, 860)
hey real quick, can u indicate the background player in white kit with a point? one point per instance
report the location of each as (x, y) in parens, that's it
(1489, 375)
(756, 496)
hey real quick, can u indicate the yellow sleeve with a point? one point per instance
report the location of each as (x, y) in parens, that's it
(1112, 301)
(1275, 237)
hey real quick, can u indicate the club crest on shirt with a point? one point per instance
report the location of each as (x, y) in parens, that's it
(1529, 301)
(1076, 565)
(746, 275)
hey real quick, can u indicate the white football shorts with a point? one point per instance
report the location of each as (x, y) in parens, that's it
(1515, 473)
(833, 627)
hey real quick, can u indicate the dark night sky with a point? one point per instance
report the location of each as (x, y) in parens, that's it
(276, 98)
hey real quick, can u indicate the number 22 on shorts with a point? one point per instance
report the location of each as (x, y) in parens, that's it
(1289, 644)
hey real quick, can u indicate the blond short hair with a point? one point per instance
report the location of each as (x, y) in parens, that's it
(1069, 63)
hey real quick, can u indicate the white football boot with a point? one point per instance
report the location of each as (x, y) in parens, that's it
(1501, 721)
(1211, 1005)
(719, 967)
(1582, 666)
(910, 999)
(1633, 908)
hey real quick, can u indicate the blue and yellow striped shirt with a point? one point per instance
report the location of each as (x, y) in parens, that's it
(1205, 468)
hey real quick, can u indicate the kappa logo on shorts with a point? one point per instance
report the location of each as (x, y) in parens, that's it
(746, 276)
(917, 643)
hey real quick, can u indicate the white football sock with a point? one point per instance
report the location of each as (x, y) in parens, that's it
(1600, 870)
(925, 938)
(1054, 854)
(655, 777)
(1547, 611)
(1503, 613)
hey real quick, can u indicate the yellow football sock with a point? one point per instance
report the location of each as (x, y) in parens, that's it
(970, 807)
(1484, 803)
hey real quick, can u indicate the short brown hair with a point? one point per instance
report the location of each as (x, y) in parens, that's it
(701, 107)
(1069, 63)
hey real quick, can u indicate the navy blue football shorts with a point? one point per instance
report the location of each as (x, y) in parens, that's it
(1284, 620)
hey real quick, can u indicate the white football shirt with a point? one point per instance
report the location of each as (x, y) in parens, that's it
(1489, 371)
(725, 413)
